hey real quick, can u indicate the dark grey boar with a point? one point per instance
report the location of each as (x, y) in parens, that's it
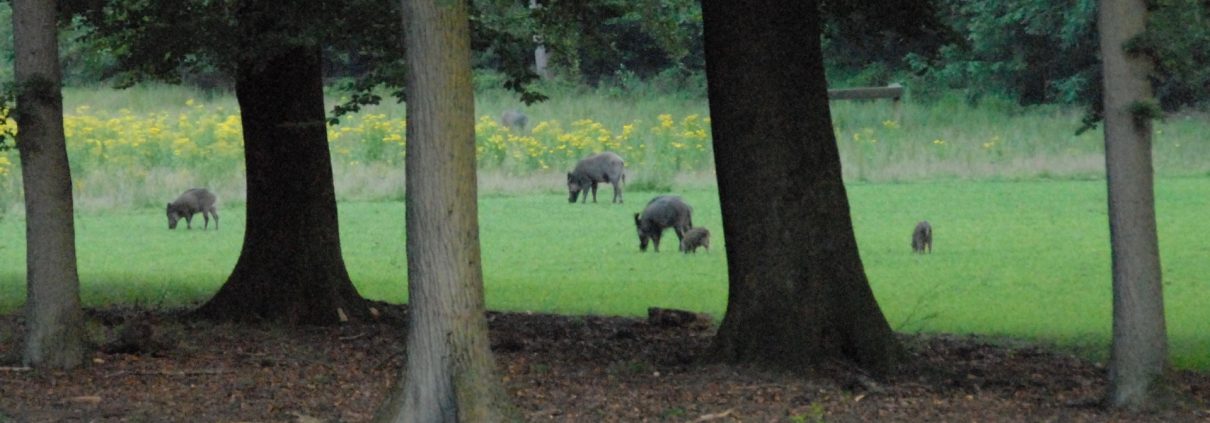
(695, 237)
(193, 201)
(514, 120)
(662, 212)
(922, 238)
(603, 167)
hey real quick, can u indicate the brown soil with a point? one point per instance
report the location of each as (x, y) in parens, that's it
(557, 368)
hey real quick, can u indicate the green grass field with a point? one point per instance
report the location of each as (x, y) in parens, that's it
(1025, 259)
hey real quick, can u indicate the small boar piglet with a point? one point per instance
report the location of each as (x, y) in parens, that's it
(603, 167)
(189, 203)
(662, 212)
(695, 237)
(922, 238)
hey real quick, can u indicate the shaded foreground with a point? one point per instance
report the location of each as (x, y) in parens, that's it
(557, 368)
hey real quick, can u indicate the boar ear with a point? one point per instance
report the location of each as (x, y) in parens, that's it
(636, 218)
(169, 206)
(569, 177)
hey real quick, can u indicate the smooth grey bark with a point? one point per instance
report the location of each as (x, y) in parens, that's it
(798, 294)
(54, 321)
(449, 375)
(1139, 354)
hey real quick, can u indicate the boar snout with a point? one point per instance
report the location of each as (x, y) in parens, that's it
(172, 217)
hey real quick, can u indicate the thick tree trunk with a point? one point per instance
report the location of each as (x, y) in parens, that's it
(55, 323)
(450, 374)
(290, 269)
(798, 293)
(1140, 352)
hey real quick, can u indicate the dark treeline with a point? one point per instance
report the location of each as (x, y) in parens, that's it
(1028, 52)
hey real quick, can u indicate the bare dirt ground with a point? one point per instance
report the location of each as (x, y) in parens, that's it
(557, 368)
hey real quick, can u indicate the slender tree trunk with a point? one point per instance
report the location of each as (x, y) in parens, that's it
(798, 293)
(55, 323)
(450, 374)
(1140, 352)
(541, 57)
(290, 269)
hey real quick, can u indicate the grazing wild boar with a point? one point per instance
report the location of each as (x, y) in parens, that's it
(922, 238)
(193, 201)
(695, 237)
(662, 212)
(603, 167)
(514, 120)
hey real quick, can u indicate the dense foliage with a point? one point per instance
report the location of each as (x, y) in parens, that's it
(1044, 52)
(1027, 51)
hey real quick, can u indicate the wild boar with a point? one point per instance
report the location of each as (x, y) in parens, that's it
(514, 120)
(193, 201)
(922, 238)
(662, 212)
(603, 167)
(695, 237)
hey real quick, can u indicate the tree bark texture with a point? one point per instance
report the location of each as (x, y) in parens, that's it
(798, 294)
(1139, 354)
(290, 268)
(54, 320)
(449, 375)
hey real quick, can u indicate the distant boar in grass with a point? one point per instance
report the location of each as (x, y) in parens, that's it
(191, 202)
(922, 238)
(662, 212)
(514, 120)
(695, 237)
(604, 167)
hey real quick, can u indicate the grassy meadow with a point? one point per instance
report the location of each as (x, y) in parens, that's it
(1017, 202)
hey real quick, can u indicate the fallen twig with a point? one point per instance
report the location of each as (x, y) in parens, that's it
(354, 337)
(15, 369)
(715, 416)
(170, 372)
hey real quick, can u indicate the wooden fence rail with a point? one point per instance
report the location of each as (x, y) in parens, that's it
(893, 92)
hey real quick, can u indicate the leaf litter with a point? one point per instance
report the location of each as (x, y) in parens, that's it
(556, 369)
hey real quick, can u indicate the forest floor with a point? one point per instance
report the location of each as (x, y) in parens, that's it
(556, 368)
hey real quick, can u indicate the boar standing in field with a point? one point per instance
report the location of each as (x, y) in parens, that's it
(662, 212)
(922, 238)
(514, 120)
(696, 237)
(603, 167)
(193, 201)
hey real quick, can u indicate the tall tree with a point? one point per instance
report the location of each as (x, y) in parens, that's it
(798, 294)
(450, 375)
(290, 268)
(1139, 354)
(55, 323)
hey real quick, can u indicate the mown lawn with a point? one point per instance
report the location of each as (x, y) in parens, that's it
(1019, 259)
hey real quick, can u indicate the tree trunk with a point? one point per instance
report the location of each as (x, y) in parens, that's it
(798, 293)
(1139, 354)
(541, 57)
(54, 321)
(450, 374)
(290, 268)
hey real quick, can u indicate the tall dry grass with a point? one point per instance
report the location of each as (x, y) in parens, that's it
(139, 147)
